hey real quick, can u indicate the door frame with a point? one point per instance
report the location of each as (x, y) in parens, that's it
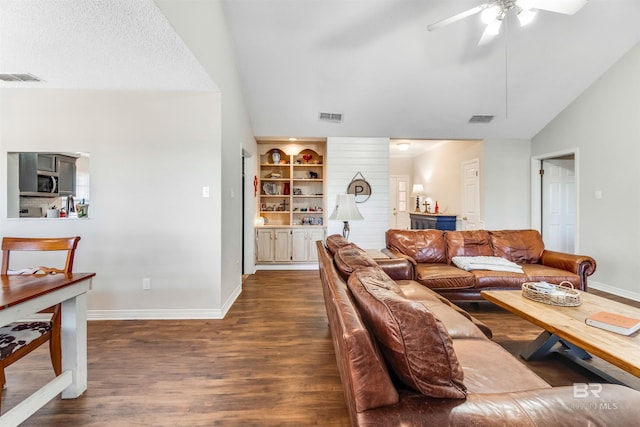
(477, 195)
(536, 189)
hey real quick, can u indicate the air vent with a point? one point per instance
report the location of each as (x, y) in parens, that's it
(331, 117)
(480, 119)
(19, 78)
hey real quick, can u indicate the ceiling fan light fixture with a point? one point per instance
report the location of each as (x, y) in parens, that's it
(493, 28)
(491, 14)
(525, 16)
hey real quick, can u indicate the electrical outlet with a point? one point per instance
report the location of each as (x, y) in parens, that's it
(146, 284)
(205, 192)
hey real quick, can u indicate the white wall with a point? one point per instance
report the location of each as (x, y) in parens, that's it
(202, 26)
(151, 153)
(369, 156)
(604, 123)
(506, 177)
(439, 170)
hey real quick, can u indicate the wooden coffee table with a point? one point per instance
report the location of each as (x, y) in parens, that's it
(565, 325)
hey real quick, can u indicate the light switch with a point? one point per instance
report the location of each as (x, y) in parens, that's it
(598, 194)
(205, 191)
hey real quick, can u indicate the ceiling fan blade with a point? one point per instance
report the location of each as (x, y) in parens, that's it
(568, 7)
(459, 16)
(492, 30)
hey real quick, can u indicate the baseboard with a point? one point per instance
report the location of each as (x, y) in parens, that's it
(300, 266)
(167, 314)
(613, 290)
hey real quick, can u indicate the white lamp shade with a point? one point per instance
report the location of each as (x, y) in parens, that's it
(418, 190)
(346, 209)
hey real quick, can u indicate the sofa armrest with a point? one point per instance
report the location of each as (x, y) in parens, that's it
(581, 404)
(397, 268)
(581, 265)
(396, 254)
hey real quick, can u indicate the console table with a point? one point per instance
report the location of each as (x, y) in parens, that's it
(421, 221)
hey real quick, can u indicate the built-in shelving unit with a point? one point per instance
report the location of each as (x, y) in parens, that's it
(291, 201)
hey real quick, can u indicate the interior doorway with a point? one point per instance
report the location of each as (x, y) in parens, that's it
(555, 200)
(471, 195)
(399, 202)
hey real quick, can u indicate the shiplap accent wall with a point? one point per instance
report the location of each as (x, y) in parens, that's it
(369, 156)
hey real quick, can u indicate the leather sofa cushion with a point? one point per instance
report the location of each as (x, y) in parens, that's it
(521, 246)
(421, 245)
(413, 341)
(539, 273)
(416, 292)
(489, 368)
(444, 276)
(335, 242)
(468, 243)
(349, 258)
(487, 279)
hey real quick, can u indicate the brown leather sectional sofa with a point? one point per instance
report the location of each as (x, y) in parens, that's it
(409, 357)
(431, 251)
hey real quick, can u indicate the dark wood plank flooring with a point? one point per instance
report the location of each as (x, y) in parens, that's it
(269, 362)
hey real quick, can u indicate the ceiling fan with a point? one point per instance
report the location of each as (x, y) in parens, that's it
(494, 12)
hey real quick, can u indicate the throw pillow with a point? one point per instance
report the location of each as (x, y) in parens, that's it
(412, 340)
(349, 258)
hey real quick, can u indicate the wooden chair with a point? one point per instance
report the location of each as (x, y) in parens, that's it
(18, 339)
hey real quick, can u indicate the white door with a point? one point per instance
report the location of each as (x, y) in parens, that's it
(559, 204)
(399, 202)
(471, 195)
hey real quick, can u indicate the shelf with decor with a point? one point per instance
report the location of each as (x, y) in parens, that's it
(291, 198)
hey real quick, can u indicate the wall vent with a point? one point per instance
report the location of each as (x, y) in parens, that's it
(331, 117)
(19, 78)
(480, 118)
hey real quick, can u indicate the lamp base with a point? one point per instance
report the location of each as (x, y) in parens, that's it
(345, 230)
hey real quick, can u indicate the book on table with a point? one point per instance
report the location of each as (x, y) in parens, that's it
(614, 322)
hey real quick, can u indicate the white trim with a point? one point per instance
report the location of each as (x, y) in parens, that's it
(301, 266)
(613, 290)
(536, 190)
(167, 314)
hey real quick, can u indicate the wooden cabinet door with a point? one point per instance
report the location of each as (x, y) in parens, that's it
(299, 245)
(66, 167)
(264, 245)
(282, 248)
(314, 235)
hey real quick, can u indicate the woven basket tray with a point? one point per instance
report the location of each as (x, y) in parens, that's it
(556, 295)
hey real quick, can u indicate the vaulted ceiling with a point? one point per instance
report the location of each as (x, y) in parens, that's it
(371, 60)
(375, 62)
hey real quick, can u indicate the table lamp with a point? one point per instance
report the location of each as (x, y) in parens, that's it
(346, 210)
(417, 191)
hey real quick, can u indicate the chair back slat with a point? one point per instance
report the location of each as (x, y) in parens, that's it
(68, 244)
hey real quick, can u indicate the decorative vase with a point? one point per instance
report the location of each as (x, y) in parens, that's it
(276, 157)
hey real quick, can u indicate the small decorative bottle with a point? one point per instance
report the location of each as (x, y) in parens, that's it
(437, 208)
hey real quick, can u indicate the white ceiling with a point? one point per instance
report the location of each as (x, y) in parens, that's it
(375, 62)
(96, 44)
(372, 60)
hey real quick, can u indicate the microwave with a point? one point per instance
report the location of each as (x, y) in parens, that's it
(48, 183)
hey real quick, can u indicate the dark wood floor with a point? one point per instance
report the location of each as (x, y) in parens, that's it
(270, 362)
